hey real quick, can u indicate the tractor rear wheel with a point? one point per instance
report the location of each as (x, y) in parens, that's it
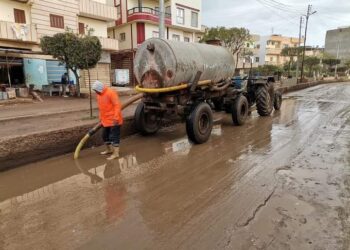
(264, 101)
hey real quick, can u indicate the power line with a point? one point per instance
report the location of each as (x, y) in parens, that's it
(279, 7)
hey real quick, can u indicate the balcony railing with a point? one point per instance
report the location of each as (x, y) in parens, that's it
(109, 44)
(146, 13)
(18, 32)
(98, 10)
(147, 10)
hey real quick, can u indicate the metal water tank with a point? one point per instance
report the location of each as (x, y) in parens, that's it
(161, 63)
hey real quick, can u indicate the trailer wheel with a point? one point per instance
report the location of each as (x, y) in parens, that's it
(240, 110)
(277, 102)
(264, 101)
(199, 123)
(146, 123)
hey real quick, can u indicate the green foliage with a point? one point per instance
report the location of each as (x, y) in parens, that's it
(267, 70)
(232, 38)
(310, 62)
(331, 61)
(76, 52)
(347, 64)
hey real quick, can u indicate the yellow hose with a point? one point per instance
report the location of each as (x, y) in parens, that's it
(80, 146)
(99, 125)
(169, 89)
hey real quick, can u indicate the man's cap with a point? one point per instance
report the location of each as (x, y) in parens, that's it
(98, 86)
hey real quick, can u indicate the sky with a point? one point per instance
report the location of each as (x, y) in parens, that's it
(263, 17)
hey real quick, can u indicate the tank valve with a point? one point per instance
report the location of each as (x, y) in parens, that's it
(151, 47)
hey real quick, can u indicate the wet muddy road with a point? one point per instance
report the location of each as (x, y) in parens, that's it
(281, 182)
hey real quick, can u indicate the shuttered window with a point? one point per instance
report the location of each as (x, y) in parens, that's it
(81, 28)
(20, 16)
(57, 21)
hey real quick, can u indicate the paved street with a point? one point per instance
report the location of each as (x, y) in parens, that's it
(279, 182)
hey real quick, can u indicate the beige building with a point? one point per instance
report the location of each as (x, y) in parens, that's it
(24, 22)
(270, 48)
(139, 21)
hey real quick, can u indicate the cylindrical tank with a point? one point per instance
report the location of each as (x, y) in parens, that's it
(161, 63)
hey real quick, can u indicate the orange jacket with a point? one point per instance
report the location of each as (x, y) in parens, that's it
(110, 108)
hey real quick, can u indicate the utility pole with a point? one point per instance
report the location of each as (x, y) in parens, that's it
(161, 19)
(336, 65)
(298, 49)
(309, 13)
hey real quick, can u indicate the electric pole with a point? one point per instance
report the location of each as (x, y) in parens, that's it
(298, 49)
(309, 13)
(161, 19)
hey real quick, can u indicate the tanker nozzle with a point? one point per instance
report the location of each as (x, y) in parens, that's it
(151, 47)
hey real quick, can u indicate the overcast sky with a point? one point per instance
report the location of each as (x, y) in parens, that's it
(281, 16)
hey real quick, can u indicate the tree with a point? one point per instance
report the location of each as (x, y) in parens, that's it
(290, 52)
(330, 61)
(267, 70)
(233, 39)
(76, 52)
(310, 62)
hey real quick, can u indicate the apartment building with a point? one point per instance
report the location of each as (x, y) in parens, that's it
(270, 48)
(337, 43)
(24, 22)
(139, 21)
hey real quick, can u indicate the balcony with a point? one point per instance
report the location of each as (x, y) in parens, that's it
(109, 44)
(147, 14)
(18, 32)
(273, 51)
(93, 9)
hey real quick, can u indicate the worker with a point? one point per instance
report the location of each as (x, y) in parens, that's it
(64, 83)
(111, 118)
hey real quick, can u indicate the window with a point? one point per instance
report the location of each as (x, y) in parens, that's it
(187, 39)
(122, 37)
(180, 16)
(157, 11)
(168, 11)
(271, 59)
(155, 34)
(176, 37)
(81, 28)
(20, 16)
(56, 21)
(258, 46)
(257, 59)
(248, 45)
(194, 19)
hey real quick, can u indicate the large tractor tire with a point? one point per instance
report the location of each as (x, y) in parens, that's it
(199, 123)
(240, 110)
(146, 123)
(277, 102)
(264, 101)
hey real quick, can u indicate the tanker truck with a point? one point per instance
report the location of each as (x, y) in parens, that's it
(191, 80)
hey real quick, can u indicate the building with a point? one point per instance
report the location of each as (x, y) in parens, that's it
(139, 21)
(248, 56)
(24, 22)
(337, 43)
(270, 48)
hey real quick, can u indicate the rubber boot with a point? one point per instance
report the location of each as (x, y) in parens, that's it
(108, 151)
(115, 154)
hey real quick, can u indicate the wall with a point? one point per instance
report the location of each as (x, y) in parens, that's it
(41, 10)
(339, 37)
(99, 27)
(196, 4)
(123, 45)
(7, 13)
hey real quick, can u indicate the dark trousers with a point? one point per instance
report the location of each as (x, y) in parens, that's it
(111, 135)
